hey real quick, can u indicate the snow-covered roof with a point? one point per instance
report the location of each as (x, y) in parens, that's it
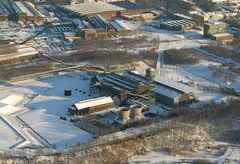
(8, 109)
(92, 8)
(119, 26)
(177, 86)
(123, 25)
(12, 99)
(80, 23)
(159, 88)
(93, 102)
(119, 81)
(223, 35)
(116, 26)
(165, 86)
(27, 8)
(168, 92)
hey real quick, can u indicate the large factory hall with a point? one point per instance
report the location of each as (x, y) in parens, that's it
(19, 11)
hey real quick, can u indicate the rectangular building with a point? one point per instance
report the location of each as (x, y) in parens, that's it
(200, 18)
(120, 29)
(177, 25)
(91, 106)
(223, 37)
(168, 92)
(106, 10)
(214, 28)
(19, 11)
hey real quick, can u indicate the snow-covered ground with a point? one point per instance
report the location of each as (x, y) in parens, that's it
(57, 132)
(231, 155)
(50, 93)
(202, 69)
(41, 103)
(8, 137)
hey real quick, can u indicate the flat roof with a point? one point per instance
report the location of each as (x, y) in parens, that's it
(92, 8)
(128, 5)
(166, 86)
(93, 102)
(12, 99)
(223, 34)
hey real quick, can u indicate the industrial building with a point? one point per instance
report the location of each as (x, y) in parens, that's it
(223, 37)
(121, 29)
(106, 10)
(10, 53)
(168, 92)
(215, 28)
(7, 48)
(177, 25)
(112, 84)
(130, 84)
(97, 27)
(87, 33)
(81, 24)
(102, 27)
(217, 32)
(91, 106)
(200, 18)
(129, 8)
(19, 11)
(146, 17)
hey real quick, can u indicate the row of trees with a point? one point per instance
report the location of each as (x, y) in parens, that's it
(223, 52)
(101, 58)
(180, 56)
(27, 70)
(119, 43)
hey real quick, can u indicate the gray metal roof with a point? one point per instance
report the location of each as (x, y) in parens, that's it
(166, 86)
(116, 26)
(91, 8)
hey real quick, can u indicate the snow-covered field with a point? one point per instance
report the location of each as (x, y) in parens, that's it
(57, 132)
(153, 157)
(50, 93)
(202, 69)
(8, 137)
(41, 103)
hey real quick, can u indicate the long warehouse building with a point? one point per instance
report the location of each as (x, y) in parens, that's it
(19, 11)
(106, 10)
